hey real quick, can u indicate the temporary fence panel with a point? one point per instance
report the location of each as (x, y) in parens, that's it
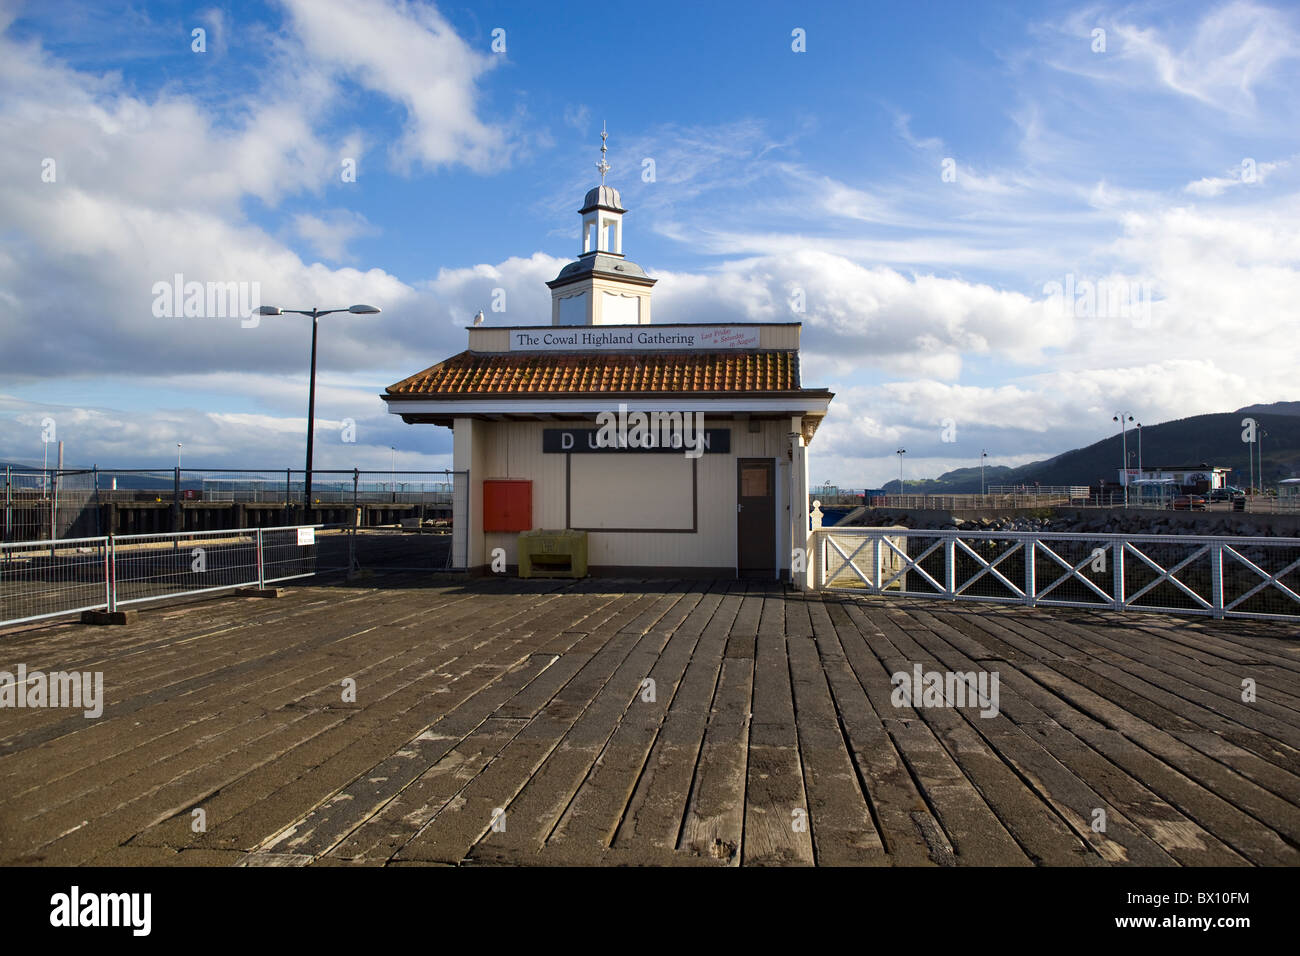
(43, 579)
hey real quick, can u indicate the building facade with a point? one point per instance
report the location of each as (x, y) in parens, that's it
(680, 449)
(1193, 478)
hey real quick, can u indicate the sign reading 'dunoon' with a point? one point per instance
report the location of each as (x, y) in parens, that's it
(622, 338)
(557, 441)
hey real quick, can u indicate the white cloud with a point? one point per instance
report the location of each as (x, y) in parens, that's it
(329, 234)
(1248, 173)
(1231, 51)
(410, 54)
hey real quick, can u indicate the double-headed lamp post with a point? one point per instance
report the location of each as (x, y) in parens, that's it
(315, 315)
(1124, 418)
(900, 453)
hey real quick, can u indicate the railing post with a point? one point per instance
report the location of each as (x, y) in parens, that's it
(1216, 578)
(108, 588)
(817, 557)
(112, 573)
(354, 519)
(1117, 569)
(261, 568)
(877, 573)
(1031, 572)
(950, 566)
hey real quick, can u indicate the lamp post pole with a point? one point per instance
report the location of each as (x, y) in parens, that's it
(900, 453)
(983, 455)
(314, 315)
(1260, 443)
(1124, 418)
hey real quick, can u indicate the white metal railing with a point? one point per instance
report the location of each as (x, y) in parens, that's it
(41, 579)
(1181, 574)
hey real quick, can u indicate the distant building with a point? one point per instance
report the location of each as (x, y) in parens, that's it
(1289, 488)
(1189, 477)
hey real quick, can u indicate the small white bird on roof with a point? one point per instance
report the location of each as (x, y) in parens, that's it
(478, 319)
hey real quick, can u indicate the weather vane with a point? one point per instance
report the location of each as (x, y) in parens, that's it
(603, 166)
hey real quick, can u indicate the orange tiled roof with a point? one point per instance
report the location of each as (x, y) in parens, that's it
(499, 373)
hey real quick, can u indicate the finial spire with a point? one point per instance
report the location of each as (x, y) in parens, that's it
(603, 166)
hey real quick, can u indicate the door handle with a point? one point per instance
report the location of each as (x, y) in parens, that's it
(739, 507)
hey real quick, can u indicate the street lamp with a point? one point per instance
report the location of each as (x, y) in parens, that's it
(315, 315)
(1124, 418)
(178, 455)
(983, 455)
(1261, 435)
(900, 453)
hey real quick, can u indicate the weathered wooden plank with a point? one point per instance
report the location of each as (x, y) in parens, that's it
(1068, 832)
(450, 834)
(1154, 765)
(715, 815)
(655, 812)
(593, 816)
(838, 816)
(976, 834)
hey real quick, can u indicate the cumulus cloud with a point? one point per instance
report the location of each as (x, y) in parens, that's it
(410, 54)
(330, 233)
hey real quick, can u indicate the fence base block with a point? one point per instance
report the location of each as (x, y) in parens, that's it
(108, 617)
(259, 592)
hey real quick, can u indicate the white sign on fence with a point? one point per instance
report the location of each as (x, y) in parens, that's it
(306, 536)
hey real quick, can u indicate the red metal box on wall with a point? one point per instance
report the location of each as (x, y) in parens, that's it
(507, 504)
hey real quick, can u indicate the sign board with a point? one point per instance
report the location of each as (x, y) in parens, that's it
(565, 441)
(306, 536)
(623, 338)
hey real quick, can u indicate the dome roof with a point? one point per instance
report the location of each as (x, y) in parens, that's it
(606, 196)
(601, 263)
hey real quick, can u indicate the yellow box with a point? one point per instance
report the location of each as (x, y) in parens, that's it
(553, 554)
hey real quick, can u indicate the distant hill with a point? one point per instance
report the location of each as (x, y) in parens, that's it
(1277, 408)
(1214, 440)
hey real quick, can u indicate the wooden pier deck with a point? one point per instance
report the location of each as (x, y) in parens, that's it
(509, 722)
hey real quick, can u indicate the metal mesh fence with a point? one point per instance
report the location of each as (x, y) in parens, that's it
(154, 566)
(49, 504)
(1218, 576)
(40, 579)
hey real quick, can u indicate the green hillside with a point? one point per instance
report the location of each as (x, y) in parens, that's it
(1214, 440)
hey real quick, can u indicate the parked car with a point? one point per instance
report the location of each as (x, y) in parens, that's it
(1227, 493)
(1189, 503)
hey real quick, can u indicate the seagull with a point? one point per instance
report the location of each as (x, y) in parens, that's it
(478, 319)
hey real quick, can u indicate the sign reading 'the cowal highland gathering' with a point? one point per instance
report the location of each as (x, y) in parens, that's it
(622, 338)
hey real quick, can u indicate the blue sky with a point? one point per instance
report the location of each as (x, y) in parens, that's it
(921, 173)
